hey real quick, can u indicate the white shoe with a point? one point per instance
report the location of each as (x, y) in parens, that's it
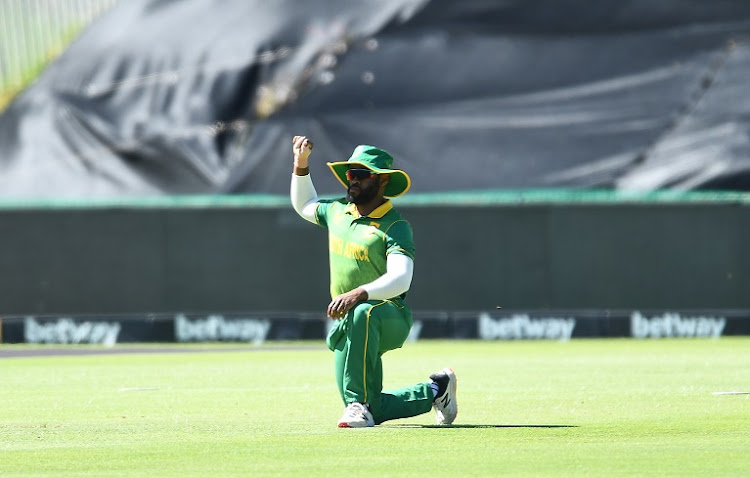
(445, 404)
(356, 415)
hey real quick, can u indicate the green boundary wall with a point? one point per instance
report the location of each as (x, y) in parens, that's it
(530, 250)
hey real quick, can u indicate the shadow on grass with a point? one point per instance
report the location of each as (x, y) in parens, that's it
(414, 425)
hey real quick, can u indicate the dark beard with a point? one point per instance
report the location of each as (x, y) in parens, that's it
(365, 195)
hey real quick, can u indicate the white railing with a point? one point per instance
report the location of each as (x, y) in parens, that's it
(32, 32)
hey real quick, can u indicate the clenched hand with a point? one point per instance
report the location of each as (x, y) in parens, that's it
(341, 304)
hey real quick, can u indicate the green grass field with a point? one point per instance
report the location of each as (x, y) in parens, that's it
(581, 408)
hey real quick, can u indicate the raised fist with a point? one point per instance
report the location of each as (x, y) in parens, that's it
(301, 148)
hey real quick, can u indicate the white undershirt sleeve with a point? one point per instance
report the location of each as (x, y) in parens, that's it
(395, 281)
(304, 197)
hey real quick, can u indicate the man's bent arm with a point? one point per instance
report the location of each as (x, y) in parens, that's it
(304, 197)
(396, 280)
(393, 283)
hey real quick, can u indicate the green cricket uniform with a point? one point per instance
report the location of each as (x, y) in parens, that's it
(358, 248)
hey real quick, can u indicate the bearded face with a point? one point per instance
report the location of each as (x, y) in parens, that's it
(363, 191)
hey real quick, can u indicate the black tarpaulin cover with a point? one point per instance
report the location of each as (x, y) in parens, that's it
(203, 96)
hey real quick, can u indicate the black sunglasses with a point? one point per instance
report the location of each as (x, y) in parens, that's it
(359, 174)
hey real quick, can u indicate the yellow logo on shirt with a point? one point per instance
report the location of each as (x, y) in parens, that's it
(352, 250)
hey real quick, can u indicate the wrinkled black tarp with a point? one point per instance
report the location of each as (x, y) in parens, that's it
(199, 96)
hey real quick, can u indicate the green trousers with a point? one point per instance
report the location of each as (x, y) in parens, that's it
(358, 341)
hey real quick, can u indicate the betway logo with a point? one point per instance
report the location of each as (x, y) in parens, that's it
(66, 331)
(521, 326)
(674, 325)
(216, 327)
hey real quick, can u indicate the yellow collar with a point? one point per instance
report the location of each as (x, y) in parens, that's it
(377, 213)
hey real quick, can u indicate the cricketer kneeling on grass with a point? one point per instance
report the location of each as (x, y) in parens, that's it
(371, 249)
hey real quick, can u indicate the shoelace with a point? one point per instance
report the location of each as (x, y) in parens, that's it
(356, 410)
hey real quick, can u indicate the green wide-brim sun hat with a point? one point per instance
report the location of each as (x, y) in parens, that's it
(376, 160)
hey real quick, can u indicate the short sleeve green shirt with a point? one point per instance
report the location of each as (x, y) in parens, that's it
(359, 245)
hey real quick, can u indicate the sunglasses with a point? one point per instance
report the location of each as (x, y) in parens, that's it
(359, 174)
